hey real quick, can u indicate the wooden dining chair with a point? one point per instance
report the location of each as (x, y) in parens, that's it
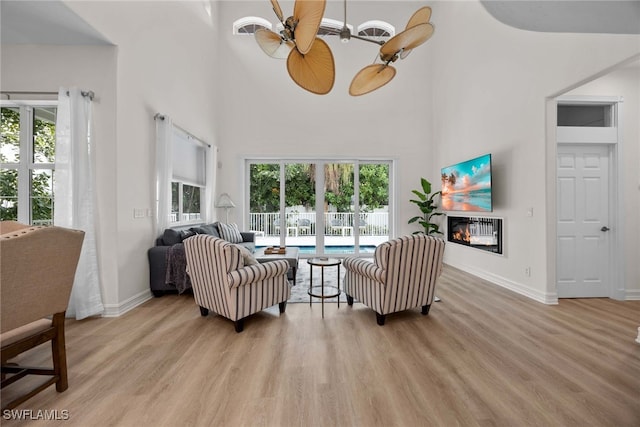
(37, 270)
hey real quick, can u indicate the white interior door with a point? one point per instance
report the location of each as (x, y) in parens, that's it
(583, 221)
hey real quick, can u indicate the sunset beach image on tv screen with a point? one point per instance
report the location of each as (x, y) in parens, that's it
(466, 186)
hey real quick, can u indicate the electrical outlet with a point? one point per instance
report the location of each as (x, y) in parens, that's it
(527, 271)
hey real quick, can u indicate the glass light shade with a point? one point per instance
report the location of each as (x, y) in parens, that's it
(224, 201)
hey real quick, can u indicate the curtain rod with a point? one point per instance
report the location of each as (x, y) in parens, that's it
(159, 116)
(86, 93)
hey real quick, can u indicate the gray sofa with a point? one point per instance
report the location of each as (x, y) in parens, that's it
(167, 260)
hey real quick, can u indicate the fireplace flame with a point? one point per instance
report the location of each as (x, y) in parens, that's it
(462, 235)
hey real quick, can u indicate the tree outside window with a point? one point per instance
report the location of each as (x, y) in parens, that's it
(27, 154)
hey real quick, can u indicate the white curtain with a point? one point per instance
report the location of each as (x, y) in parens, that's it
(74, 205)
(210, 167)
(164, 171)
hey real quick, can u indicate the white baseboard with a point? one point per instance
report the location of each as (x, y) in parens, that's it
(632, 295)
(519, 288)
(116, 310)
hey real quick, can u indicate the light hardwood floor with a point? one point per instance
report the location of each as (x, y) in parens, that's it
(484, 356)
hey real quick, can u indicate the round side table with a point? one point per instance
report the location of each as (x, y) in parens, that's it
(323, 291)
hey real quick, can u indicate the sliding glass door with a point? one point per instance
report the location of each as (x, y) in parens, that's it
(324, 207)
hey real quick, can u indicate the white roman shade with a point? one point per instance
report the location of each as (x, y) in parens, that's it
(189, 158)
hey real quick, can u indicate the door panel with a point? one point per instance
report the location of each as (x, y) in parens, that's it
(583, 251)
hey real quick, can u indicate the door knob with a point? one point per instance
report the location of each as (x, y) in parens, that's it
(604, 228)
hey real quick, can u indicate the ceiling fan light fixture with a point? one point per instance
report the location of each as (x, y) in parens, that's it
(345, 34)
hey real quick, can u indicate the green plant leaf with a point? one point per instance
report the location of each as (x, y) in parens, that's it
(426, 185)
(419, 194)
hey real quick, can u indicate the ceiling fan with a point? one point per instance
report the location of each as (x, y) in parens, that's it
(310, 61)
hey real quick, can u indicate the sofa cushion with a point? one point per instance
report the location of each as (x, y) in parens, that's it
(171, 237)
(186, 233)
(230, 232)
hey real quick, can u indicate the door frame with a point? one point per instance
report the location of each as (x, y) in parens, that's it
(320, 162)
(614, 143)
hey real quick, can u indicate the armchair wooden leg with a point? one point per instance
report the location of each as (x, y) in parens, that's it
(425, 309)
(204, 311)
(59, 353)
(380, 319)
(239, 324)
(349, 299)
(282, 306)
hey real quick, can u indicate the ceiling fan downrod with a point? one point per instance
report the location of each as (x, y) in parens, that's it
(345, 33)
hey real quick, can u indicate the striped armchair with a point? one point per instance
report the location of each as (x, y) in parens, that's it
(402, 276)
(223, 283)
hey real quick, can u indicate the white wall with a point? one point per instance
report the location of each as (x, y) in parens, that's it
(625, 82)
(477, 86)
(166, 64)
(46, 68)
(264, 113)
(490, 83)
(164, 61)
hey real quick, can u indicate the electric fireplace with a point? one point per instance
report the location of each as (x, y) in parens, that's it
(483, 233)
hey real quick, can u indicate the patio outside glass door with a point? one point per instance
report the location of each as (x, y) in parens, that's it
(322, 207)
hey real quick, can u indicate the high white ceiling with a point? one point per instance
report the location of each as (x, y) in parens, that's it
(45, 22)
(52, 22)
(568, 16)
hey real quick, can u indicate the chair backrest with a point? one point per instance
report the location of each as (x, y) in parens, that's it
(412, 265)
(37, 269)
(209, 262)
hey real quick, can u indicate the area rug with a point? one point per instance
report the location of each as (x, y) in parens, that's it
(299, 291)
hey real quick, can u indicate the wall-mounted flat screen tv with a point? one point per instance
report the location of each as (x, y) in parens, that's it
(466, 186)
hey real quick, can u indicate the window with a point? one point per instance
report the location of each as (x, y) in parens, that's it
(585, 115)
(249, 24)
(377, 30)
(27, 154)
(322, 206)
(189, 177)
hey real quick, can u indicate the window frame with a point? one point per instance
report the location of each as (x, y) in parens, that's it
(255, 21)
(320, 194)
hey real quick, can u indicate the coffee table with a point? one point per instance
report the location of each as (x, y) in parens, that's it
(326, 291)
(291, 256)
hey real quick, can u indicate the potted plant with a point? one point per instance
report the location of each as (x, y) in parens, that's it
(428, 207)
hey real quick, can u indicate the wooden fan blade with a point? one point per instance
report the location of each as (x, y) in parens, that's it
(308, 14)
(314, 71)
(405, 53)
(420, 16)
(277, 10)
(272, 44)
(370, 78)
(408, 39)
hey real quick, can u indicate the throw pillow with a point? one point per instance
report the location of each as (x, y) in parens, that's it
(198, 230)
(210, 229)
(171, 237)
(230, 232)
(247, 256)
(186, 233)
